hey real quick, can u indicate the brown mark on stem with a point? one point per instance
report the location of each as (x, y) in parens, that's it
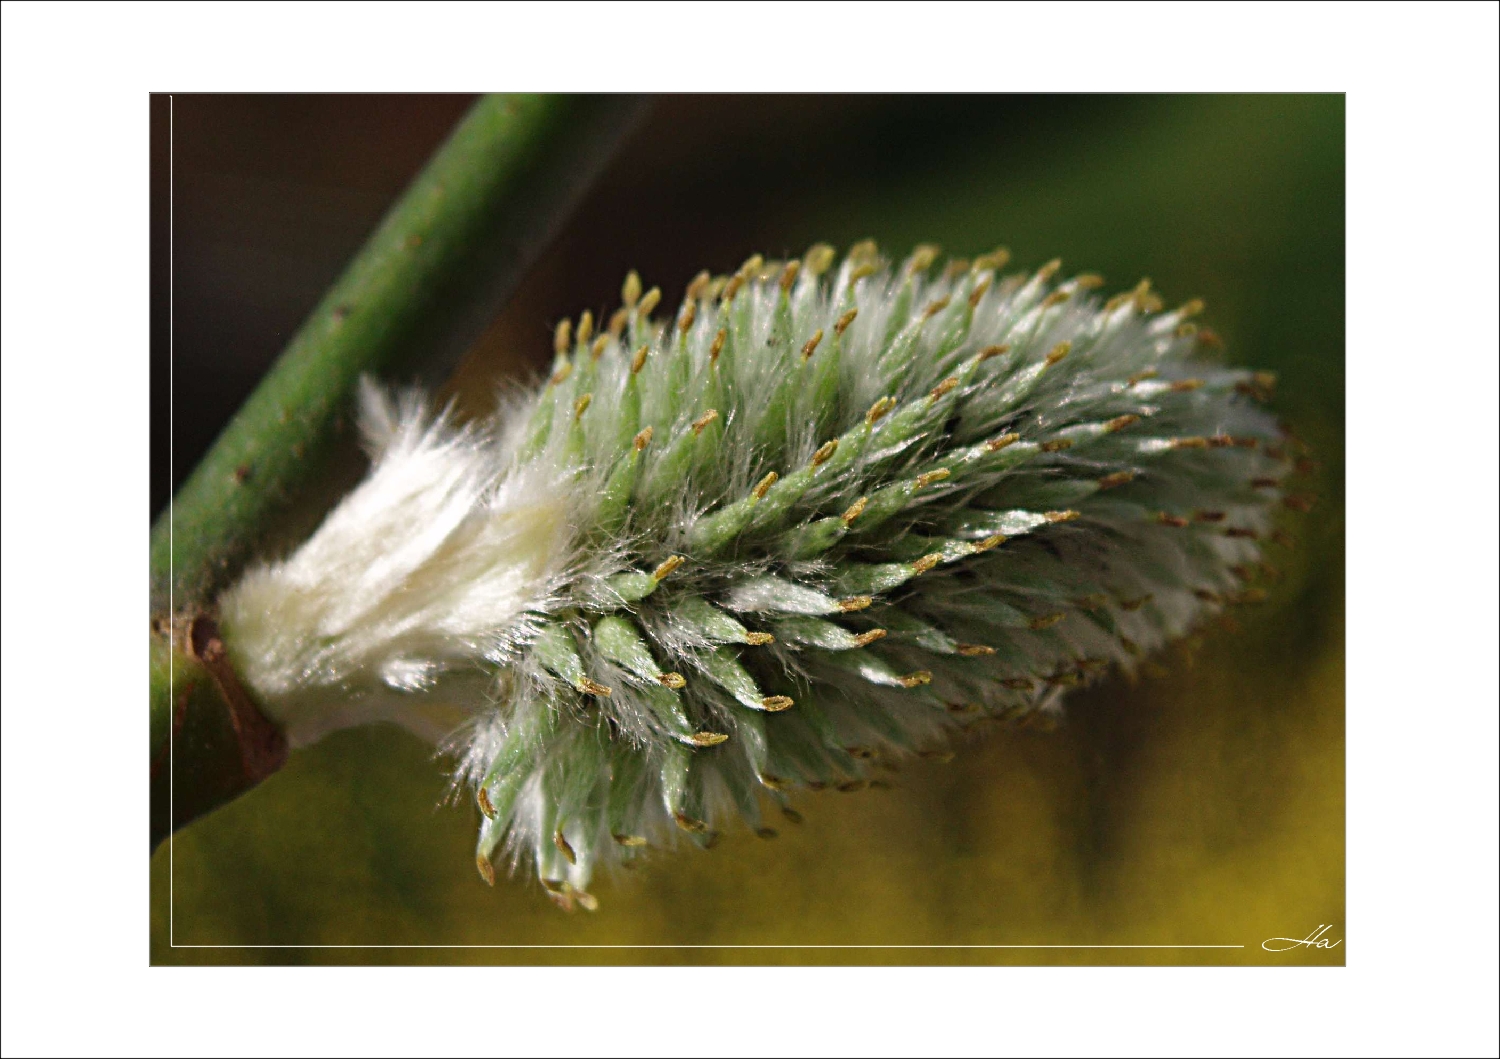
(263, 747)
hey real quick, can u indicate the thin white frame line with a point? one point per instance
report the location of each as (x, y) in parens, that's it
(707, 946)
(171, 513)
(171, 675)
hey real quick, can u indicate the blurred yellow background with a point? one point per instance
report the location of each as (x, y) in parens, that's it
(1205, 807)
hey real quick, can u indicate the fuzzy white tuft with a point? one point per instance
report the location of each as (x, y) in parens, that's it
(428, 569)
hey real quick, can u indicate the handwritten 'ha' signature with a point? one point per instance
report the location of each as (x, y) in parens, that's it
(1315, 940)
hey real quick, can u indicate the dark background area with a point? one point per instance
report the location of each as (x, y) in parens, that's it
(1204, 807)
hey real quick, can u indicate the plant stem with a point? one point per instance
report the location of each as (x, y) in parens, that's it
(483, 207)
(441, 263)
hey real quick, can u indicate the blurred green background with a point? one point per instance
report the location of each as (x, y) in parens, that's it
(1205, 807)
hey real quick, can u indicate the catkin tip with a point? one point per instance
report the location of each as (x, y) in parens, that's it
(818, 259)
(996, 258)
(942, 388)
(671, 563)
(955, 268)
(923, 257)
(926, 563)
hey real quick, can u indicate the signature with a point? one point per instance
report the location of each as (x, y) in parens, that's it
(1315, 940)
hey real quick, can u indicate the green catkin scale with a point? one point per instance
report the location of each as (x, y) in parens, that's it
(827, 513)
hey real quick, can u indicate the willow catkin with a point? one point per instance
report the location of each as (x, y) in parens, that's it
(826, 514)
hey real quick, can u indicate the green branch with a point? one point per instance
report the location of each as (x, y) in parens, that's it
(441, 263)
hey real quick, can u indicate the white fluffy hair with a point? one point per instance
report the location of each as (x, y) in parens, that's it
(429, 568)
